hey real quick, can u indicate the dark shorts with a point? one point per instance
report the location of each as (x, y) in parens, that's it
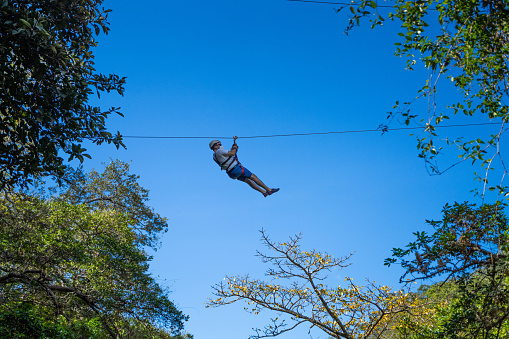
(236, 173)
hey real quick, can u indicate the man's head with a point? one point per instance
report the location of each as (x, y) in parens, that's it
(214, 145)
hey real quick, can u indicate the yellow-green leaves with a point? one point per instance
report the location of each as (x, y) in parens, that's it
(350, 311)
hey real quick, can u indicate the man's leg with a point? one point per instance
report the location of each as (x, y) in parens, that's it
(259, 183)
(253, 185)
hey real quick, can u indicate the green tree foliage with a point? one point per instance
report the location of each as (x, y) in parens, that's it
(85, 260)
(47, 75)
(468, 239)
(22, 321)
(433, 302)
(464, 46)
(116, 189)
(470, 246)
(445, 305)
(460, 42)
(28, 321)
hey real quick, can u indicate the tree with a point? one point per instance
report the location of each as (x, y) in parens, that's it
(116, 189)
(450, 313)
(460, 42)
(47, 75)
(29, 321)
(463, 43)
(470, 245)
(85, 260)
(435, 300)
(343, 312)
(22, 321)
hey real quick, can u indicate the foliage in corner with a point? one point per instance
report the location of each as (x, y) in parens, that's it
(469, 246)
(463, 43)
(85, 261)
(47, 75)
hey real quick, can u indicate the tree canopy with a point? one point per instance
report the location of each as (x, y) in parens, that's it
(297, 293)
(47, 75)
(118, 190)
(469, 247)
(84, 260)
(463, 43)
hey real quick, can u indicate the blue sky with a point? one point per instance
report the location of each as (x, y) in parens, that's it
(224, 68)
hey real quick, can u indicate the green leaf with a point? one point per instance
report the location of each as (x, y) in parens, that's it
(26, 23)
(65, 45)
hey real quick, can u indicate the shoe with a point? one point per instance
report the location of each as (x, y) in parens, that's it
(273, 190)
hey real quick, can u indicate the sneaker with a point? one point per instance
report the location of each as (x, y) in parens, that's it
(273, 190)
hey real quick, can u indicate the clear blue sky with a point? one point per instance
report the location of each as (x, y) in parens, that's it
(224, 68)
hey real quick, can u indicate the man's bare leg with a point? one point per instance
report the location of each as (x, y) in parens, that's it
(253, 185)
(259, 183)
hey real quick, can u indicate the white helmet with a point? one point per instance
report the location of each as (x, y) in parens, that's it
(212, 143)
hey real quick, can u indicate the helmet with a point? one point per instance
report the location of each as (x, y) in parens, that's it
(212, 143)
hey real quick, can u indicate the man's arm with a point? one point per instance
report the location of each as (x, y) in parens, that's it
(234, 149)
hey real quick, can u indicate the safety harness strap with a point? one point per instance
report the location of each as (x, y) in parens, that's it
(221, 164)
(235, 159)
(224, 162)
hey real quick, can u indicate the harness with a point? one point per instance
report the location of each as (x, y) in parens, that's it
(228, 169)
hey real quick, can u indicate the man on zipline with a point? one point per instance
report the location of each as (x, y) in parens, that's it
(229, 162)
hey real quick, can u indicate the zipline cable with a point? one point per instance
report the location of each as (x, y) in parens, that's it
(337, 3)
(346, 3)
(305, 134)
